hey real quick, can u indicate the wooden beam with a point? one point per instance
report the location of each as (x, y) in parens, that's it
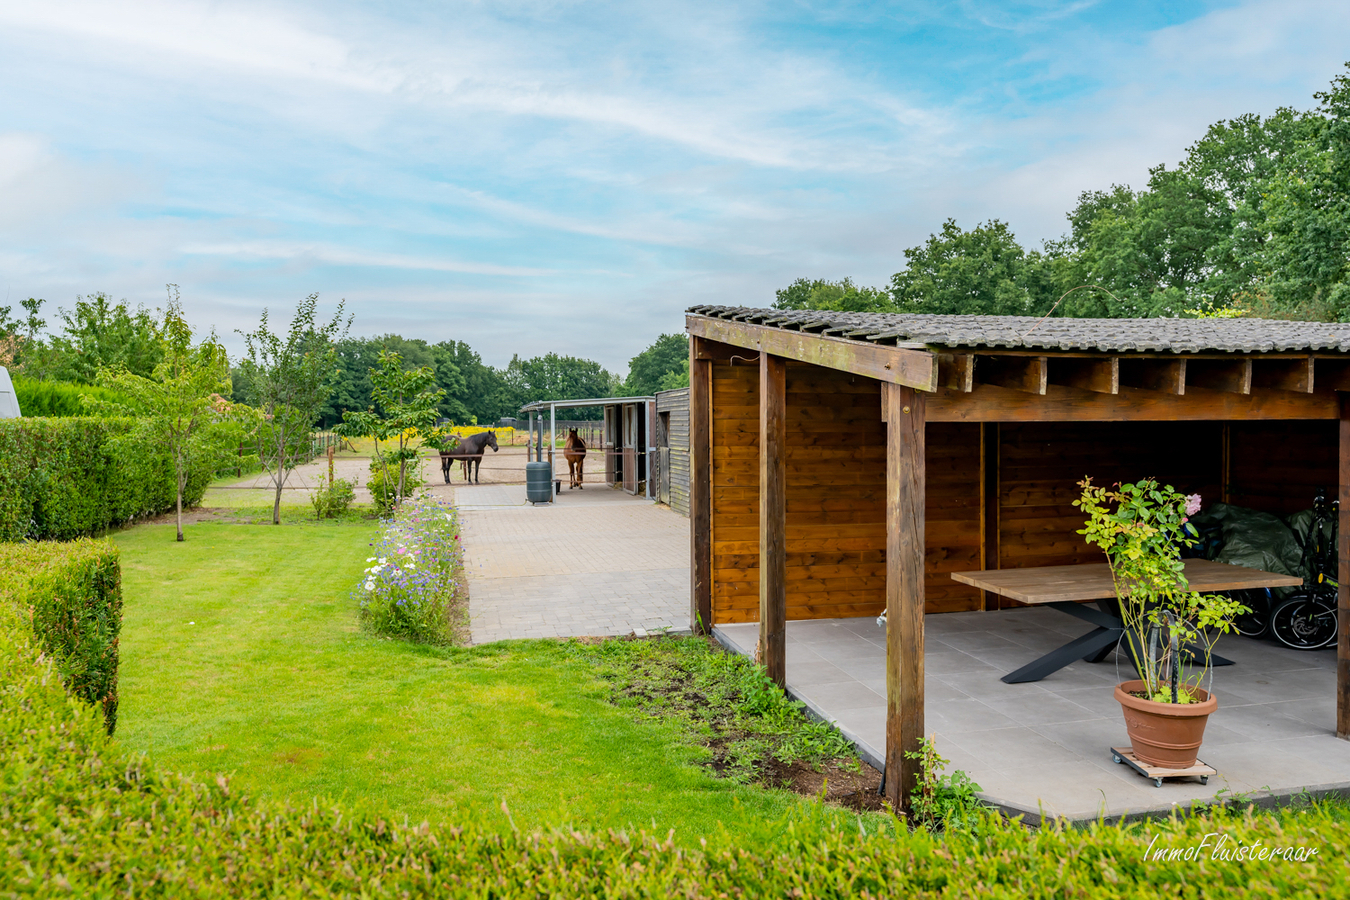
(912, 366)
(989, 403)
(1100, 375)
(773, 517)
(1167, 376)
(956, 371)
(700, 488)
(1020, 373)
(1343, 592)
(1230, 376)
(905, 483)
(1284, 374)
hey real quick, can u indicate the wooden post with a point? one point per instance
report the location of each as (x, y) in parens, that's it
(773, 516)
(904, 410)
(1343, 593)
(700, 489)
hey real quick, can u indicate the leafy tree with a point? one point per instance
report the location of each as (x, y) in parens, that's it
(841, 296)
(675, 380)
(403, 408)
(668, 354)
(181, 397)
(554, 377)
(289, 380)
(983, 271)
(96, 334)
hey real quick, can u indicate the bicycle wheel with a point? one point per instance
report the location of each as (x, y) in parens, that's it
(1304, 622)
(1253, 624)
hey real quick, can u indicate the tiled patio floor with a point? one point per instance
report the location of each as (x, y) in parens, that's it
(1044, 745)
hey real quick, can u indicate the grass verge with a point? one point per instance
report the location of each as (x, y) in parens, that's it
(242, 654)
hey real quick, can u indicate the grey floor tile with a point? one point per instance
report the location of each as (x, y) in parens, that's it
(1013, 747)
(955, 717)
(845, 695)
(815, 672)
(1263, 722)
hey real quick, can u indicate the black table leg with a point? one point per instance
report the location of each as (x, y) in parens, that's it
(1090, 644)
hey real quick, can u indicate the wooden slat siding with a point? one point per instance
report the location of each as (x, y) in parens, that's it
(1040, 464)
(1277, 467)
(905, 483)
(676, 403)
(836, 494)
(734, 423)
(990, 403)
(952, 514)
(700, 490)
(1343, 576)
(772, 517)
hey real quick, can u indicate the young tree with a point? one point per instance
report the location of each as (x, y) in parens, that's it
(178, 399)
(404, 409)
(288, 380)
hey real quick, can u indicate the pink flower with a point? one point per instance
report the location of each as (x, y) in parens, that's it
(1192, 504)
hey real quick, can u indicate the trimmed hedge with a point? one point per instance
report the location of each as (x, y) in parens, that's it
(67, 478)
(78, 818)
(58, 399)
(69, 596)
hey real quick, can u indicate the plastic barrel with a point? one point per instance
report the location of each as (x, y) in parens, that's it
(538, 482)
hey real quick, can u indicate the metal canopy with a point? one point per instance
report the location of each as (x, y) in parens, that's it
(541, 405)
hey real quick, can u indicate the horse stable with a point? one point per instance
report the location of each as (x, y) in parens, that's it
(843, 464)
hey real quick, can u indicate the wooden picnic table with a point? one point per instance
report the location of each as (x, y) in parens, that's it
(1065, 587)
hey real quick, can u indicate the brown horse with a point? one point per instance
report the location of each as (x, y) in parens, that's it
(574, 451)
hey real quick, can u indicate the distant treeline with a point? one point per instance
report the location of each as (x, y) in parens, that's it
(99, 332)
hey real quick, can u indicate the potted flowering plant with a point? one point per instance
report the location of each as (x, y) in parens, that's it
(1170, 631)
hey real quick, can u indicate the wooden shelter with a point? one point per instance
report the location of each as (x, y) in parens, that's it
(672, 449)
(629, 425)
(845, 463)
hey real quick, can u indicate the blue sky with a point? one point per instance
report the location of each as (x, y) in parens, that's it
(555, 176)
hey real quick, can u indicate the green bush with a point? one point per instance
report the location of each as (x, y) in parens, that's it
(67, 478)
(59, 399)
(383, 493)
(70, 596)
(331, 500)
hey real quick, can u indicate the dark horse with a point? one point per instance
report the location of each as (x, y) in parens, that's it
(470, 453)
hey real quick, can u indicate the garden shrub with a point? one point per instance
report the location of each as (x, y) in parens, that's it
(70, 596)
(59, 399)
(383, 486)
(69, 477)
(331, 500)
(410, 588)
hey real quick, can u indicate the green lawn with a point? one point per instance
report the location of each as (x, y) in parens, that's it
(241, 654)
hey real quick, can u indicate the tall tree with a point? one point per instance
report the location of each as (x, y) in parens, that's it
(668, 354)
(841, 296)
(179, 399)
(289, 380)
(983, 271)
(97, 334)
(554, 377)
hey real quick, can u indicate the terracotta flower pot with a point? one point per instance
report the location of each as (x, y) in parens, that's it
(1167, 735)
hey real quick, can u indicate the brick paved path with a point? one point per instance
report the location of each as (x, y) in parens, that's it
(597, 562)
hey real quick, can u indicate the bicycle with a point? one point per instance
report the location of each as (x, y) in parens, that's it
(1307, 619)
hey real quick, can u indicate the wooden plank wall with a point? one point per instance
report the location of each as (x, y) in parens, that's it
(1277, 467)
(735, 491)
(952, 533)
(676, 403)
(1040, 464)
(836, 498)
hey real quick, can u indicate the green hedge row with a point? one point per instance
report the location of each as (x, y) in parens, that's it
(57, 399)
(69, 597)
(66, 478)
(79, 818)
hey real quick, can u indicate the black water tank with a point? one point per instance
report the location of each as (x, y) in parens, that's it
(538, 482)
